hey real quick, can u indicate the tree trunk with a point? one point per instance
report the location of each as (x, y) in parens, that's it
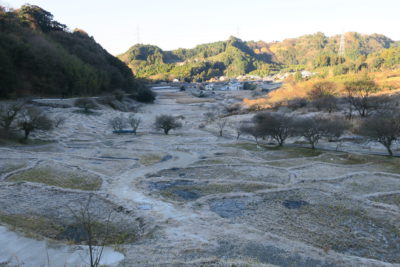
(389, 150)
(166, 131)
(27, 132)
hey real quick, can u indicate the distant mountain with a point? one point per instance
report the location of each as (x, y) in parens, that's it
(40, 56)
(232, 57)
(236, 57)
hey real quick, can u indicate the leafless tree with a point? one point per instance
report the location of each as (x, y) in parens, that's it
(9, 114)
(335, 127)
(252, 129)
(86, 103)
(382, 128)
(314, 128)
(118, 123)
(96, 237)
(167, 123)
(134, 122)
(276, 125)
(327, 102)
(59, 120)
(32, 119)
(297, 103)
(358, 95)
(210, 116)
(221, 123)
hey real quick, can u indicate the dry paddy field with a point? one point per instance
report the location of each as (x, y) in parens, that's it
(192, 198)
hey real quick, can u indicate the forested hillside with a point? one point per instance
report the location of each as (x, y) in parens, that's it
(40, 56)
(236, 57)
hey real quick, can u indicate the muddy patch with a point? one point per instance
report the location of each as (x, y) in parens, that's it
(318, 219)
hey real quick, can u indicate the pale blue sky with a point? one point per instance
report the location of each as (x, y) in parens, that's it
(184, 23)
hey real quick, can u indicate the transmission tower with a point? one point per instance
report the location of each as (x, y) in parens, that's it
(342, 49)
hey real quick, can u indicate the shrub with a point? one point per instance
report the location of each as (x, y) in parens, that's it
(86, 103)
(382, 128)
(166, 123)
(134, 122)
(33, 119)
(118, 123)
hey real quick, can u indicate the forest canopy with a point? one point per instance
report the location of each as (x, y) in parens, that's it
(236, 57)
(40, 56)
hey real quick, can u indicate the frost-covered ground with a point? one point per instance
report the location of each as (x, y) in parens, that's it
(192, 197)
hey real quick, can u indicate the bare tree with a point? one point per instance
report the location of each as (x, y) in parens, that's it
(210, 116)
(32, 119)
(252, 129)
(314, 128)
(59, 120)
(382, 128)
(167, 123)
(297, 103)
(118, 123)
(86, 103)
(96, 237)
(358, 95)
(9, 114)
(327, 102)
(321, 89)
(335, 127)
(239, 128)
(134, 122)
(221, 123)
(323, 97)
(276, 125)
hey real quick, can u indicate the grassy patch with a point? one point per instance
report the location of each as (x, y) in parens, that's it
(209, 162)
(389, 164)
(249, 146)
(290, 152)
(11, 167)
(89, 112)
(65, 179)
(39, 227)
(150, 159)
(23, 142)
(32, 226)
(344, 158)
(393, 199)
(210, 189)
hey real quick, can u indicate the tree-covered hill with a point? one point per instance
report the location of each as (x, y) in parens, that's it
(232, 57)
(40, 56)
(236, 57)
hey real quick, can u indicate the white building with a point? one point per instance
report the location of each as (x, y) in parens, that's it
(235, 86)
(209, 87)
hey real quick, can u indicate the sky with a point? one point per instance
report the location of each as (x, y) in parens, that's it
(171, 24)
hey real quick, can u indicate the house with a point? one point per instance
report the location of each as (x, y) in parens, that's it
(209, 87)
(306, 74)
(235, 86)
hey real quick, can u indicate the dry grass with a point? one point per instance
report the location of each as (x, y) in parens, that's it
(60, 178)
(388, 81)
(150, 159)
(192, 100)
